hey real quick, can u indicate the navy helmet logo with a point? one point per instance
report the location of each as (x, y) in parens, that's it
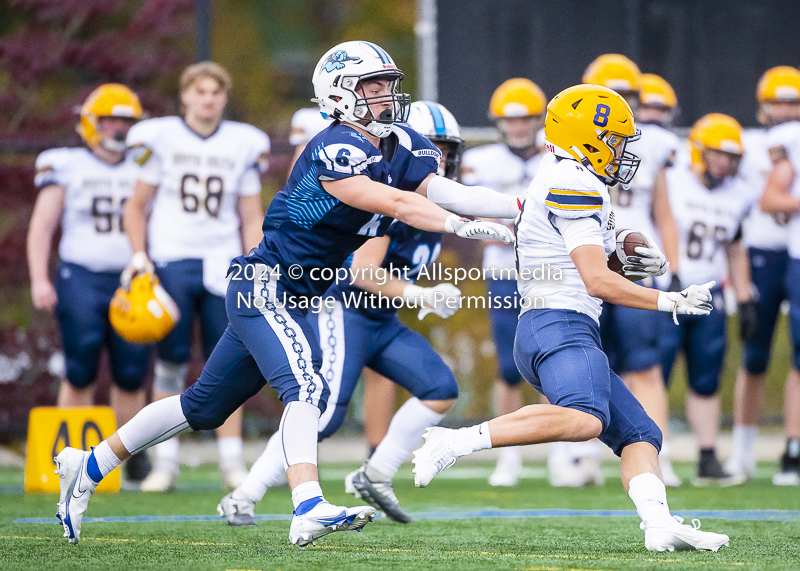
(336, 60)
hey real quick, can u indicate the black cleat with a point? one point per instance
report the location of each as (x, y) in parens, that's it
(710, 471)
(138, 467)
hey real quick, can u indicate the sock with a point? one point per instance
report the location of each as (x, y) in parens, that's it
(266, 471)
(579, 450)
(650, 498)
(665, 451)
(793, 448)
(305, 496)
(230, 453)
(744, 438)
(298, 433)
(405, 432)
(471, 439)
(157, 422)
(557, 453)
(101, 461)
(510, 456)
(167, 455)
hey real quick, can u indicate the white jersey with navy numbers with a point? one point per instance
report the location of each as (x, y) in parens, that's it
(200, 179)
(708, 220)
(306, 123)
(785, 138)
(761, 230)
(94, 197)
(633, 203)
(566, 206)
(496, 167)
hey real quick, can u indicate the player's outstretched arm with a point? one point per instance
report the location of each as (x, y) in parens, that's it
(251, 214)
(468, 200)
(414, 209)
(777, 198)
(135, 221)
(46, 213)
(665, 221)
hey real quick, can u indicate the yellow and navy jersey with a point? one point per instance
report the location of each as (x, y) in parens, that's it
(308, 227)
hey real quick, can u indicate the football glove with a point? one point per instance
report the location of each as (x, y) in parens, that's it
(478, 229)
(139, 264)
(651, 262)
(434, 299)
(694, 300)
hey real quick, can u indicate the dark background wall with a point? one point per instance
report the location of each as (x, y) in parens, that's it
(711, 51)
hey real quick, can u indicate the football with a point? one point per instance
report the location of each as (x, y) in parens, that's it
(627, 241)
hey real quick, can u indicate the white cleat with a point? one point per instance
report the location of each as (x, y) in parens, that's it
(786, 478)
(680, 537)
(325, 518)
(159, 480)
(76, 489)
(437, 454)
(740, 469)
(507, 471)
(238, 511)
(574, 473)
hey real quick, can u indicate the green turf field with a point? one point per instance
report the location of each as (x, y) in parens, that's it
(447, 541)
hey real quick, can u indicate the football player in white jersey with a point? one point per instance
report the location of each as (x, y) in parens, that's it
(782, 198)
(566, 223)
(631, 337)
(200, 181)
(306, 123)
(517, 109)
(766, 237)
(710, 201)
(84, 190)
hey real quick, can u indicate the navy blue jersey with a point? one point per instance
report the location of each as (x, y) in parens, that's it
(409, 250)
(308, 227)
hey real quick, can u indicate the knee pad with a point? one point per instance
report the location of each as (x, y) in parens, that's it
(170, 377)
(756, 360)
(705, 386)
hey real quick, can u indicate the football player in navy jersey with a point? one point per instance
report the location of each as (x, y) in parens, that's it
(360, 329)
(348, 185)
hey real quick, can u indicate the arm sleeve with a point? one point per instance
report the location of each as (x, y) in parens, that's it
(579, 232)
(471, 200)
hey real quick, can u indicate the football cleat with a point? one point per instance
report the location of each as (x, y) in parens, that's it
(437, 454)
(137, 467)
(508, 469)
(668, 475)
(349, 488)
(325, 518)
(740, 468)
(238, 511)
(679, 537)
(709, 471)
(790, 471)
(380, 495)
(76, 488)
(159, 480)
(233, 477)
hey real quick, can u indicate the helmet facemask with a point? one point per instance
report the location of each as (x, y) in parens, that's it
(452, 149)
(624, 164)
(400, 103)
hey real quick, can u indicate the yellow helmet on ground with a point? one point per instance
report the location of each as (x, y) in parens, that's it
(589, 123)
(656, 92)
(715, 131)
(146, 313)
(616, 72)
(780, 83)
(518, 97)
(108, 100)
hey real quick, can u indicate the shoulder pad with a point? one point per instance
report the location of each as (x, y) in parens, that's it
(50, 165)
(572, 191)
(344, 158)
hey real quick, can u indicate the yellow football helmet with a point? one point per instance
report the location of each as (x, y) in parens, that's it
(518, 97)
(589, 123)
(656, 92)
(780, 83)
(108, 100)
(616, 72)
(146, 313)
(715, 131)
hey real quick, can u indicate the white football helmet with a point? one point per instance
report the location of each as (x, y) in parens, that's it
(435, 122)
(336, 80)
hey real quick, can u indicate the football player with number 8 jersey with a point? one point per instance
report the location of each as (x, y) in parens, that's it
(200, 181)
(710, 201)
(348, 185)
(782, 198)
(85, 189)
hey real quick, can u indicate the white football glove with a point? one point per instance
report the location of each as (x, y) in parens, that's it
(694, 300)
(651, 262)
(139, 264)
(478, 229)
(436, 299)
